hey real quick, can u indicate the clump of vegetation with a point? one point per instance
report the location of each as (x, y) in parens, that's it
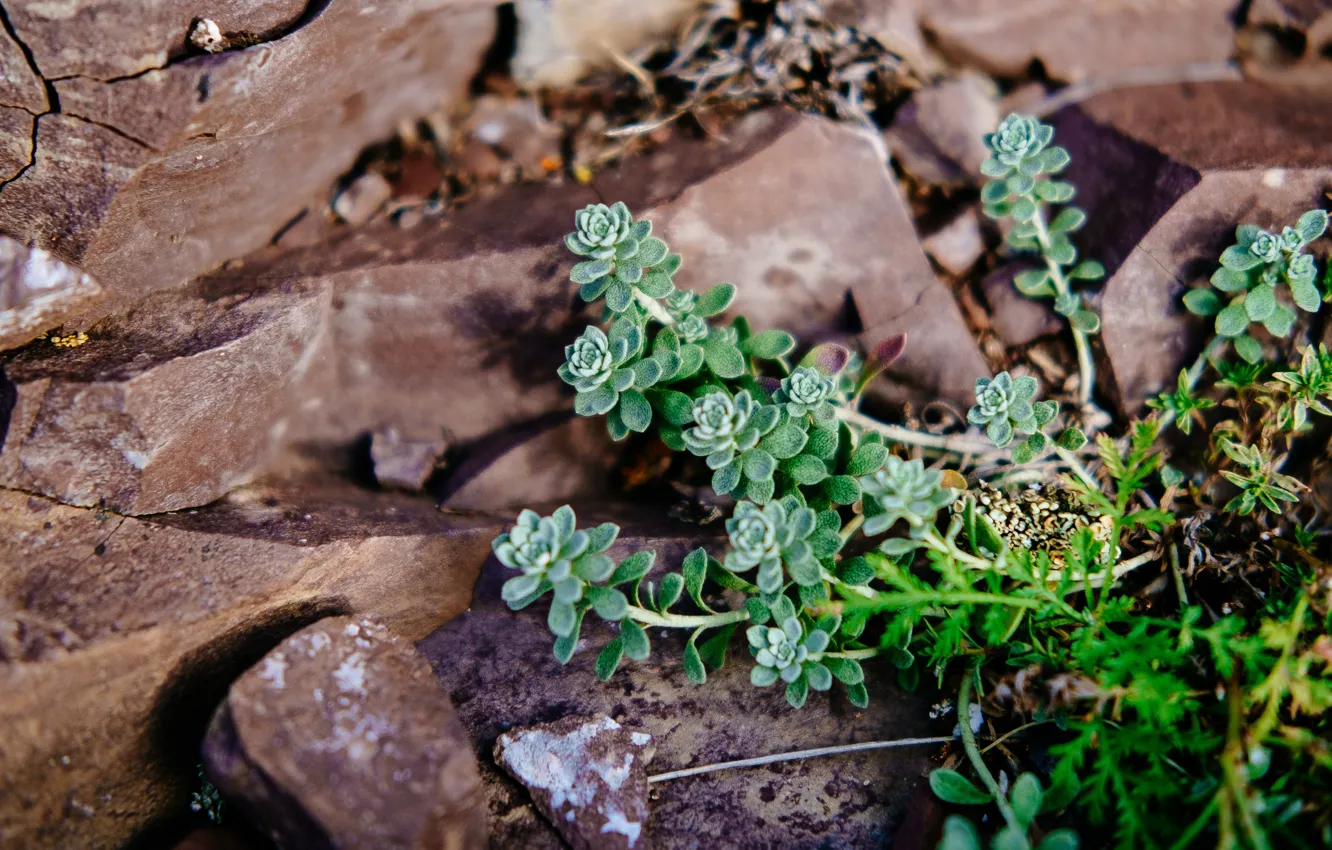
(1159, 629)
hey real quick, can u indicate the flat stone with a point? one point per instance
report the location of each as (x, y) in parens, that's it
(358, 203)
(166, 407)
(1017, 319)
(1075, 39)
(938, 134)
(1165, 174)
(161, 165)
(551, 461)
(341, 737)
(498, 668)
(120, 635)
(517, 127)
(34, 287)
(957, 245)
(587, 776)
(403, 462)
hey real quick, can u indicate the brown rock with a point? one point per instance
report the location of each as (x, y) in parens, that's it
(1165, 174)
(341, 738)
(938, 135)
(404, 462)
(1016, 318)
(551, 461)
(1075, 39)
(587, 776)
(160, 166)
(119, 636)
(34, 287)
(166, 407)
(358, 203)
(497, 665)
(212, 838)
(516, 127)
(957, 245)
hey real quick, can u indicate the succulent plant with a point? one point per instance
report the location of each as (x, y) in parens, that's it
(785, 653)
(544, 549)
(904, 490)
(807, 391)
(599, 230)
(625, 259)
(719, 426)
(1251, 271)
(589, 361)
(599, 368)
(1016, 145)
(765, 537)
(1005, 405)
(692, 329)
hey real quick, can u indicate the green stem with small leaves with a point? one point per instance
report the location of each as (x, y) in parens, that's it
(1086, 368)
(854, 654)
(684, 621)
(654, 308)
(896, 433)
(974, 755)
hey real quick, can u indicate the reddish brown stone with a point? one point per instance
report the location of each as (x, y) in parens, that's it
(403, 461)
(159, 166)
(166, 407)
(1074, 39)
(34, 286)
(341, 738)
(118, 636)
(1017, 319)
(938, 134)
(1165, 174)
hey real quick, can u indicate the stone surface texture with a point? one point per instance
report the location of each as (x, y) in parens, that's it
(159, 165)
(403, 462)
(119, 635)
(1165, 174)
(498, 668)
(587, 776)
(341, 738)
(166, 407)
(938, 134)
(35, 289)
(1075, 39)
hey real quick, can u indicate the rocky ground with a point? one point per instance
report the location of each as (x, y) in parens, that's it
(280, 317)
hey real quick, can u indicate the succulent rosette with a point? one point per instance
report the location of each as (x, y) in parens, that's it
(766, 537)
(807, 391)
(786, 652)
(904, 490)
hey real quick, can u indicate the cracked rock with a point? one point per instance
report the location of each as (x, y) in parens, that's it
(119, 635)
(587, 776)
(938, 135)
(1075, 39)
(166, 407)
(159, 168)
(34, 287)
(341, 738)
(1165, 174)
(957, 245)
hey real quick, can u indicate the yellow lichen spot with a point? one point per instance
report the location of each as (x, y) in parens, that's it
(69, 340)
(582, 174)
(551, 163)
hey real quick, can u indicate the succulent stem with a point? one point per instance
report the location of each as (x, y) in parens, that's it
(854, 654)
(974, 754)
(958, 444)
(1086, 368)
(654, 308)
(684, 621)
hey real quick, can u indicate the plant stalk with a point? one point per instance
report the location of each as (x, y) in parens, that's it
(974, 755)
(854, 654)
(654, 308)
(1086, 368)
(957, 444)
(686, 621)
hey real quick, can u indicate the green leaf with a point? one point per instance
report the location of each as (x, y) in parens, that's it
(758, 464)
(561, 618)
(1248, 348)
(589, 270)
(1229, 280)
(1068, 220)
(959, 834)
(760, 491)
(759, 614)
(695, 672)
(618, 296)
(633, 567)
(726, 479)
(1087, 270)
(635, 410)
(1054, 160)
(1025, 797)
(672, 585)
(805, 469)
(1034, 283)
(1239, 259)
(611, 604)
(565, 646)
(842, 489)
(1062, 793)
(694, 568)
(866, 458)
(635, 640)
(1060, 839)
(593, 566)
(691, 360)
(1023, 453)
(785, 442)
(1085, 321)
(797, 691)
(674, 406)
(1306, 295)
(857, 695)
(769, 345)
(1062, 250)
(994, 191)
(622, 379)
(723, 359)
(602, 537)
(1311, 225)
(595, 402)
(1260, 302)
(656, 285)
(609, 659)
(651, 251)
(952, 787)
(1055, 191)
(716, 300)
(590, 292)
(1071, 439)
(1202, 302)
(1024, 210)
(845, 670)
(1232, 320)
(1280, 322)
(629, 271)
(825, 544)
